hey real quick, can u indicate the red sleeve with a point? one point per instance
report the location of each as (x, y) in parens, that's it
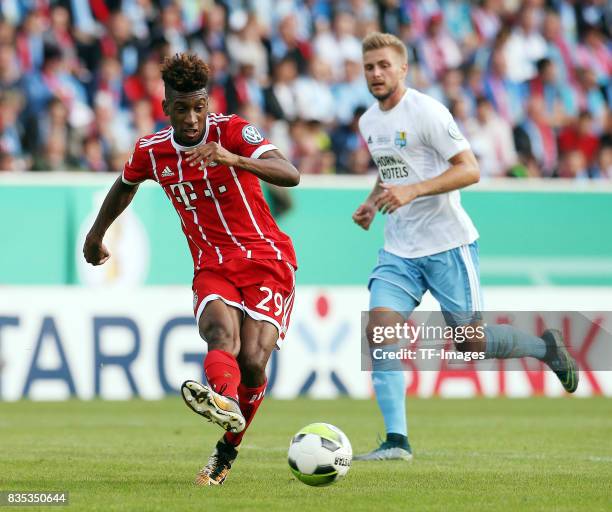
(138, 168)
(244, 139)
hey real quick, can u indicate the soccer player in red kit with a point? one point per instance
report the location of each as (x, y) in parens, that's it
(209, 166)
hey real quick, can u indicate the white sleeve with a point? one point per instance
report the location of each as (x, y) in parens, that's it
(439, 130)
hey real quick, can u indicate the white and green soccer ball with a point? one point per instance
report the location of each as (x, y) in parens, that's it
(320, 454)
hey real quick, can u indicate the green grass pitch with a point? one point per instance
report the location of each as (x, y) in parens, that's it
(480, 454)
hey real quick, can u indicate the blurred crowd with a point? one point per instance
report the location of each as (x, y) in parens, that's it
(528, 81)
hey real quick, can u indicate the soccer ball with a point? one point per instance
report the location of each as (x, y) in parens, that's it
(320, 454)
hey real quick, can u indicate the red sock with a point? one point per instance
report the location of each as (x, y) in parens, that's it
(249, 400)
(222, 372)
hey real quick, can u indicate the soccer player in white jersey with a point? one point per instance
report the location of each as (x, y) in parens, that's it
(430, 242)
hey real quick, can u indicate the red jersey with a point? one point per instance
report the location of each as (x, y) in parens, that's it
(222, 209)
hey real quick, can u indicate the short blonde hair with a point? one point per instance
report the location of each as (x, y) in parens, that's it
(378, 40)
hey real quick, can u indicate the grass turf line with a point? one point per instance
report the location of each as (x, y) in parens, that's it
(480, 454)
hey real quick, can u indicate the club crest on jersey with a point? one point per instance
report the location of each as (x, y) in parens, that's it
(400, 139)
(251, 134)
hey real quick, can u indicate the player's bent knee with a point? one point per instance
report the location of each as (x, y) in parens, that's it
(463, 346)
(371, 333)
(382, 326)
(379, 334)
(253, 366)
(469, 339)
(220, 336)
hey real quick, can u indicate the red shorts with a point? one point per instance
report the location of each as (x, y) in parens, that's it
(262, 289)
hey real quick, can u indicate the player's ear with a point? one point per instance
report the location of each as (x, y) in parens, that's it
(166, 107)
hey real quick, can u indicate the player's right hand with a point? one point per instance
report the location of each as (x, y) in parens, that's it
(364, 215)
(95, 251)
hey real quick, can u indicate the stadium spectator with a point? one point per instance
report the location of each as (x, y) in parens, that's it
(77, 64)
(581, 136)
(246, 47)
(120, 43)
(30, 42)
(10, 74)
(288, 44)
(351, 92)
(505, 94)
(458, 19)
(311, 148)
(283, 91)
(147, 85)
(110, 79)
(491, 138)
(573, 166)
(604, 163)
(346, 142)
(142, 14)
(474, 85)
(525, 46)
(142, 122)
(449, 88)
(559, 48)
(313, 94)
(10, 128)
(110, 125)
(55, 80)
(59, 34)
(338, 44)
(245, 87)
(54, 120)
(487, 20)
(54, 156)
(93, 155)
(541, 135)
(7, 162)
(439, 49)
(221, 90)
(172, 30)
(559, 98)
(590, 96)
(214, 29)
(594, 54)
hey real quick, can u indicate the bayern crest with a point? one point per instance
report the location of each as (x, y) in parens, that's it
(251, 134)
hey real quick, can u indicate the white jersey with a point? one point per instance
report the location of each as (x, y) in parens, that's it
(411, 143)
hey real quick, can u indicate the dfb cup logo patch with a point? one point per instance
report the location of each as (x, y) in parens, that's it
(251, 134)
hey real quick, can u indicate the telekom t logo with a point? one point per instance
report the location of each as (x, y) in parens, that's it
(185, 194)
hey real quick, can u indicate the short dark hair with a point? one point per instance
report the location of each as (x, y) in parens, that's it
(482, 100)
(185, 72)
(541, 64)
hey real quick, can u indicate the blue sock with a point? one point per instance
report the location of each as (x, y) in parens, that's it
(506, 342)
(390, 387)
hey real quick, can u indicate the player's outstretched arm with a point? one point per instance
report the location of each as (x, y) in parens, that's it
(118, 198)
(272, 167)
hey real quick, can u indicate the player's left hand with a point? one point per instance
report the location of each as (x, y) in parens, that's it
(394, 196)
(210, 153)
(94, 251)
